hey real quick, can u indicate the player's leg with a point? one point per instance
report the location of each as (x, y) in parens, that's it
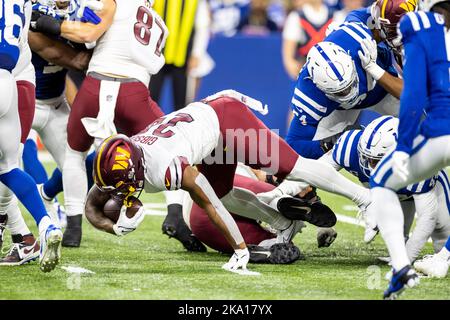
(31, 163)
(135, 109)
(272, 154)
(18, 181)
(179, 86)
(86, 104)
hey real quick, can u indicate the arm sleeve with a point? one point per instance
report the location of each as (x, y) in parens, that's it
(414, 95)
(202, 25)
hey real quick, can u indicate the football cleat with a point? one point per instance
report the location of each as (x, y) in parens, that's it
(280, 253)
(405, 278)
(286, 235)
(73, 232)
(50, 251)
(325, 237)
(433, 266)
(21, 253)
(175, 227)
(315, 213)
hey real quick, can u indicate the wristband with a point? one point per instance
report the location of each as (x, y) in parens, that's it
(375, 71)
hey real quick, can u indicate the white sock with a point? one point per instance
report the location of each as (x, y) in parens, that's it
(174, 197)
(74, 182)
(444, 254)
(16, 224)
(44, 224)
(325, 177)
(386, 208)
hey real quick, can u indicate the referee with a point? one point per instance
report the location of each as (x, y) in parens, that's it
(188, 23)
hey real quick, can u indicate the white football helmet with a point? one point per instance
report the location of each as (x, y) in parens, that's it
(333, 71)
(377, 139)
(428, 4)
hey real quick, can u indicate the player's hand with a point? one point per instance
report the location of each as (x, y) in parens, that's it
(325, 237)
(238, 260)
(126, 225)
(400, 164)
(45, 24)
(368, 56)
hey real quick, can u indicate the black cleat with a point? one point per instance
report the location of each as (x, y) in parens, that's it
(72, 234)
(279, 253)
(315, 213)
(175, 227)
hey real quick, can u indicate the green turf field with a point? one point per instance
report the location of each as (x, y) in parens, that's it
(148, 265)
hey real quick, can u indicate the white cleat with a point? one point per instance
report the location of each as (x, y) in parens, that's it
(50, 248)
(286, 235)
(433, 266)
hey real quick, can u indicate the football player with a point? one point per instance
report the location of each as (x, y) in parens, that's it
(162, 158)
(16, 67)
(129, 40)
(50, 57)
(359, 151)
(345, 73)
(422, 148)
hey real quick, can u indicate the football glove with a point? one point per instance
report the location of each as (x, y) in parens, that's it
(238, 260)
(325, 237)
(400, 164)
(126, 225)
(45, 24)
(368, 56)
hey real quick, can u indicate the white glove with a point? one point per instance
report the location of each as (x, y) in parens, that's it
(368, 57)
(94, 5)
(238, 260)
(126, 225)
(400, 164)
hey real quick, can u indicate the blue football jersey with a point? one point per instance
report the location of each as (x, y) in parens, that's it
(360, 15)
(12, 20)
(310, 104)
(426, 78)
(50, 79)
(345, 154)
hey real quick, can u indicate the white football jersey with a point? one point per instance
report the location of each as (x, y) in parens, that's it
(186, 136)
(24, 69)
(132, 46)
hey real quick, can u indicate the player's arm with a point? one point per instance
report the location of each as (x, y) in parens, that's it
(204, 196)
(89, 32)
(58, 53)
(368, 55)
(95, 203)
(391, 84)
(414, 96)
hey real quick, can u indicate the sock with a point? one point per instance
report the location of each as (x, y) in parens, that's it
(54, 185)
(174, 197)
(445, 251)
(90, 169)
(386, 208)
(16, 224)
(74, 181)
(31, 163)
(325, 177)
(24, 187)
